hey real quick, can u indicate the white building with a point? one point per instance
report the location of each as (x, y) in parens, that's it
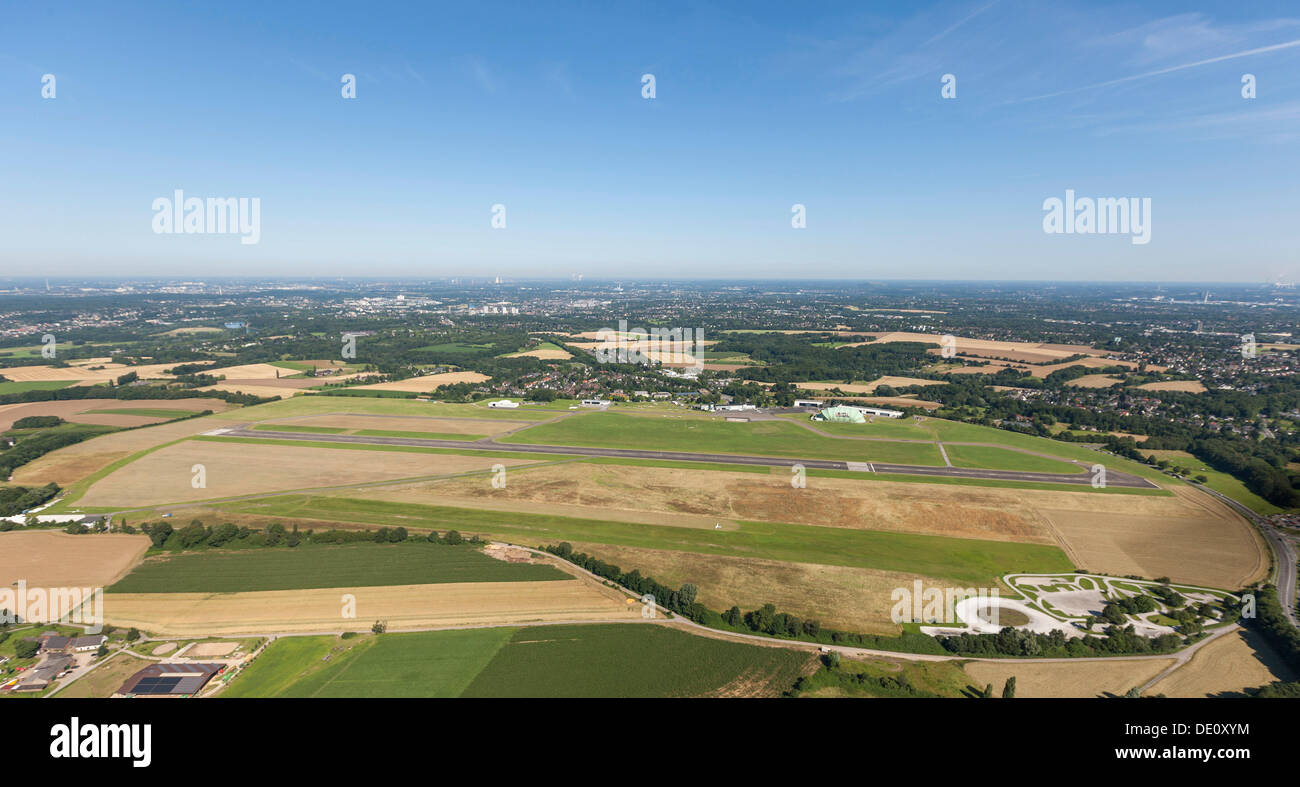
(504, 403)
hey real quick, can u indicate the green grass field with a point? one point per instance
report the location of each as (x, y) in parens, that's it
(631, 660)
(419, 435)
(1003, 459)
(610, 660)
(959, 559)
(297, 428)
(34, 385)
(762, 438)
(322, 566)
(148, 412)
(1221, 482)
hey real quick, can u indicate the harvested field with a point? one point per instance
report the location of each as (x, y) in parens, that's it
(1187, 386)
(1214, 546)
(1030, 352)
(233, 469)
(69, 408)
(69, 465)
(1095, 381)
(258, 388)
(251, 371)
(842, 597)
(428, 382)
(49, 559)
(164, 649)
(403, 606)
(870, 387)
(1113, 677)
(84, 374)
(350, 422)
(606, 490)
(1226, 666)
(110, 419)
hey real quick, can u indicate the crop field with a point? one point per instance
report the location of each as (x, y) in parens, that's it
(539, 661)
(231, 469)
(427, 383)
(317, 610)
(1226, 666)
(418, 664)
(321, 566)
(764, 438)
(72, 409)
(1112, 677)
(966, 560)
(475, 425)
(45, 558)
(32, 385)
(330, 406)
(633, 661)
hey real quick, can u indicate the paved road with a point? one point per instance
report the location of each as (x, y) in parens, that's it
(1284, 556)
(1113, 477)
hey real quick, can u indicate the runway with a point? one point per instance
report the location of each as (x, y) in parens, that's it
(1114, 478)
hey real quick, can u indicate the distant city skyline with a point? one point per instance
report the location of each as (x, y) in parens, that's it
(536, 118)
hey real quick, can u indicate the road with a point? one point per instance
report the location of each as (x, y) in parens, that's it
(1114, 478)
(1284, 556)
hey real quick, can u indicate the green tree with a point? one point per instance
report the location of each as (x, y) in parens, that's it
(1009, 689)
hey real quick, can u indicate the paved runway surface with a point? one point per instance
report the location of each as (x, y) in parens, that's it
(1113, 477)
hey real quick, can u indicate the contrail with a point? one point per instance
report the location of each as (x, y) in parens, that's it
(1261, 50)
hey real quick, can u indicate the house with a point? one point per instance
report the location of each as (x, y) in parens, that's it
(53, 643)
(87, 643)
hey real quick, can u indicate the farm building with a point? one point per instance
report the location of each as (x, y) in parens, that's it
(848, 415)
(170, 680)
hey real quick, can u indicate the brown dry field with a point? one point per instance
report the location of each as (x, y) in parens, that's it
(472, 426)
(896, 382)
(110, 371)
(545, 355)
(624, 492)
(251, 371)
(1187, 386)
(258, 388)
(69, 407)
(428, 382)
(1067, 679)
(895, 401)
(104, 681)
(108, 419)
(1095, 381)
(49, 559)
(235, 469)
(1189, 538)
(71, 464)
(851, 599)
(1017, 351)
(1227, 665)
(208, 650)
(403, 606)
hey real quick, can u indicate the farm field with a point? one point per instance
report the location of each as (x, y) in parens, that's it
(1187, 386)
(417, 664)
(232, 469)
(32, 385)
(638, 660)
(367, 405)
(868, 387)
(1113, 677)
(966, 560)
(765, 438)
(1095, 381)
(316, 610)
(365, 424)
(323, 566)
(78, 409)
(45, 558)
(428, 382)
(634, 661)
(1226, 666)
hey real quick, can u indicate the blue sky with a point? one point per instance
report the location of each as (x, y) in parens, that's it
(538, 107)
